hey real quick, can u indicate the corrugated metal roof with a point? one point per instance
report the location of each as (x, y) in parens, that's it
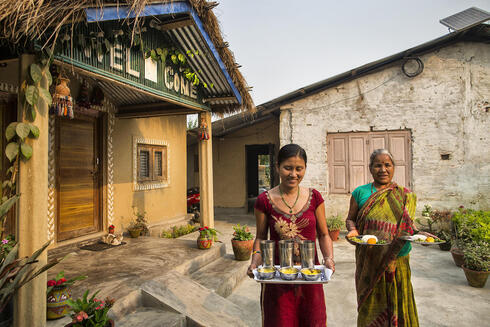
(189, 38)
(124, 96)
(208, 63)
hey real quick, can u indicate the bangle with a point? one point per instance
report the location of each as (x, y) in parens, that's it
(255, 252)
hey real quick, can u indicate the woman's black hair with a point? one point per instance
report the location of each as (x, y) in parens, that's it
(290, 150)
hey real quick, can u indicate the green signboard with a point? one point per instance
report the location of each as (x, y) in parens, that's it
(113, 57)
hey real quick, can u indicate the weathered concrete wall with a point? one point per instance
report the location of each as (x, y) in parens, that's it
(446, 108)
(161, 204)
(229, 164)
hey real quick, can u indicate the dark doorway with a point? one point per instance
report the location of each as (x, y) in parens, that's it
(260, 170)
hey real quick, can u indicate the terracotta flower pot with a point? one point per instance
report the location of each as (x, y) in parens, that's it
(445, 246)
(334, 234)
(457, 257)
(135, 232)
(56, 302)
(203, 242)
(242, 249)
(476, 278)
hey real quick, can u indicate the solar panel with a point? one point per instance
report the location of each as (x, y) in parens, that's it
(466, 19)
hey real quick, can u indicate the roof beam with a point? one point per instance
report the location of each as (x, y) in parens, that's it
(174, 24)
(155, 113)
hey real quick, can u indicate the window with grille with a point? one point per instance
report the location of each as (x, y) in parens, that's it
(348, 158)
(152, 163)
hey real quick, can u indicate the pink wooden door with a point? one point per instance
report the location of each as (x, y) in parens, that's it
(338, 162)
(357, 160)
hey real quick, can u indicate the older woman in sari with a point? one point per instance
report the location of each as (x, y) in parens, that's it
(384, 209)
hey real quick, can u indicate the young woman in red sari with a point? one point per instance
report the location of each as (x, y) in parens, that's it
(384, 209)
(289, 211)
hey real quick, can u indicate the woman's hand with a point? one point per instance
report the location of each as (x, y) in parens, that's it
(428, 235)
(250, 270)
(329, 263)
(353, 233)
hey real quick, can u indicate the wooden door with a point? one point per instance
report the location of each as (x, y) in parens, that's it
(78, 177)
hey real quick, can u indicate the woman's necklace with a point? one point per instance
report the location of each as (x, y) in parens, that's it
(287, 205)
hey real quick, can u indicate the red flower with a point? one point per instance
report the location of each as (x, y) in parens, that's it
(111, 227)
(61, 281)
(80, 316)
(51, 282)
(201, 229)
(461, 207)
(206, 227)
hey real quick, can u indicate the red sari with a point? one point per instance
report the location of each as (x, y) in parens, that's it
(292, 305)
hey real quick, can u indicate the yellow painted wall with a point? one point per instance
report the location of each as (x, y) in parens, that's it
(161, 204)
(229, 161)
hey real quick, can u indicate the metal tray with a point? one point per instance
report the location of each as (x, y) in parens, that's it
(324, 279)
(411, 239)
(359, 237)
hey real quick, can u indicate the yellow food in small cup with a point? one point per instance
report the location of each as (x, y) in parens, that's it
(311, 271)
(266, 270)
(429, 239)
(289, 270)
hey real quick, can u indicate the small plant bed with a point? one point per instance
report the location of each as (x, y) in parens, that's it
(178, 231)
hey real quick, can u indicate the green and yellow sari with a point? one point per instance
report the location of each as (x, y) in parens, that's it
(384, 291)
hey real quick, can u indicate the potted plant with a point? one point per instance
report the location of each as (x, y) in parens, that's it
(90, 311)
(138, 225)
(334, 225)
(242, 242)
(476, 263)
(206, 237)
(58, 293)
(472, 231)
(459, 234)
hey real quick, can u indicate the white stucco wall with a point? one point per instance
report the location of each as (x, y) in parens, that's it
(446, 108)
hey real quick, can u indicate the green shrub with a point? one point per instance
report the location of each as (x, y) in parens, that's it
(477, 256)
(175, 231)
(335, 223)
(471, 229)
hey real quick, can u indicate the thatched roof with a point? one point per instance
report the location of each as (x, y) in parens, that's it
(22, 20)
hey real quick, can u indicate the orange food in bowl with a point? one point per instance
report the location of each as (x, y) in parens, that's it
(371, 241)
(429, 239)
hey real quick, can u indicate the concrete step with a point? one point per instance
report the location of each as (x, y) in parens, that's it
(210, 255)
(152, 317)
(201, 306)
(223, 275)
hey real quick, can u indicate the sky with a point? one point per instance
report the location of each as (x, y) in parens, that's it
(285, 45)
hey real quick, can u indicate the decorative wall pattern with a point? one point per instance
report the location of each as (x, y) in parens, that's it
(51, 179)
(110, 163)
(148, 185)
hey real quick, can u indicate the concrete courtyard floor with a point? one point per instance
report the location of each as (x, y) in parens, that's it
(442, 295)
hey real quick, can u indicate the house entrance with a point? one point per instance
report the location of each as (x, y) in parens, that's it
(79, 176)
(260, 170)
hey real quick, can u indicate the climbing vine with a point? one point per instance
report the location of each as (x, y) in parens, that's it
(33, 88)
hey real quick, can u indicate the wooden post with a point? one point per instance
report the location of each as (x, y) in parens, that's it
(31, 233)
(206, 173)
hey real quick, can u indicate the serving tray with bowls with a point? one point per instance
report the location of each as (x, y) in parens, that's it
(319, 274)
